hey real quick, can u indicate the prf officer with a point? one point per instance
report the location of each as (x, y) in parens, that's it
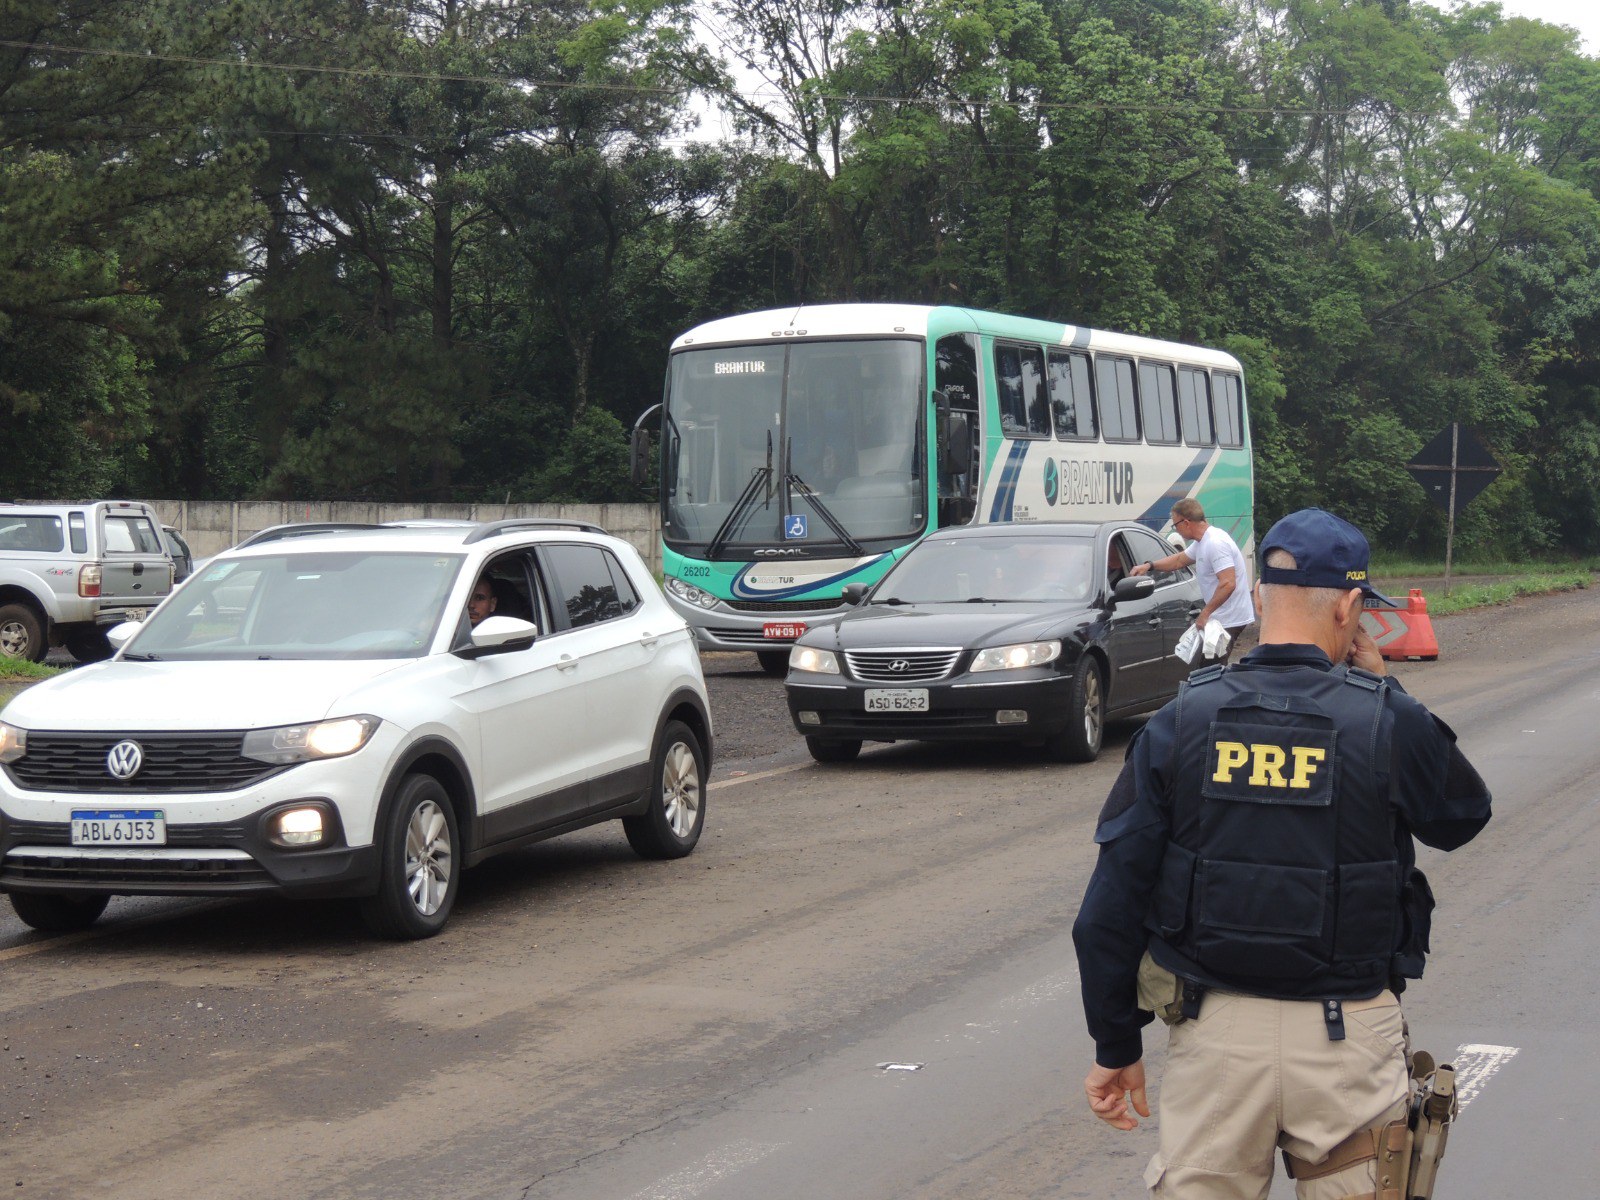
(1257, 885)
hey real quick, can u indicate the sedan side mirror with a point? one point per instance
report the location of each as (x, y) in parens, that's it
(499, 635)
(1133, 587)
(855, 593)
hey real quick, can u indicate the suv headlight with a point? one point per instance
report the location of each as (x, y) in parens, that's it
(1014, 658)
(809, 658)
(684, 590)
(13, 742)
(303, 743)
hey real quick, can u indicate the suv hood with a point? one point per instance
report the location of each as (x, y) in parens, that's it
(193, 695)
(969, 625)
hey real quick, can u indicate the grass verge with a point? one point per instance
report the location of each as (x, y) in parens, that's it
(1480, 595)
(20, 670)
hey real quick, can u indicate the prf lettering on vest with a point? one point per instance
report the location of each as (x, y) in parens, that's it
(1267, 762)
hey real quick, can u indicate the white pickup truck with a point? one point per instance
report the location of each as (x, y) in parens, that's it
(68, 572)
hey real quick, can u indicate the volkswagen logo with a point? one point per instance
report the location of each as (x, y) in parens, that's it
(900, 665)
(124, 760)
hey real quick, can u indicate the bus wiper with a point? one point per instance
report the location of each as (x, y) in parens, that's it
(759, 479)
(843, 534)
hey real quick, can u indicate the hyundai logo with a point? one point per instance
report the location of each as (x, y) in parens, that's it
(900, 665)
(124, 760)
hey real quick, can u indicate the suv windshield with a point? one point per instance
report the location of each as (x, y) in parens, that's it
(954, 570)
(803, 423)
(328, 605)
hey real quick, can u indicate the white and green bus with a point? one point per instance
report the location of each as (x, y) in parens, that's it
(803, 450)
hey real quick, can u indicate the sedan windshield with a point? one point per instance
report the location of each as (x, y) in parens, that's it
(957, 570)
(301, 606)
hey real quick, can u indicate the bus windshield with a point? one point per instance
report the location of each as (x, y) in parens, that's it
(804, 443)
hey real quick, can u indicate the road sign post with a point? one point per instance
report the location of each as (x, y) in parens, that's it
(1452, 469)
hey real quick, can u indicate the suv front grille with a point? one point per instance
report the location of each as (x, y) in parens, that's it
(173, 763)
(900, 666)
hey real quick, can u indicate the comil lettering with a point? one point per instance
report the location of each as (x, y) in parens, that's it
(1267, 762)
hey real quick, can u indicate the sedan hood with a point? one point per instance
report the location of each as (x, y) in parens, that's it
(905, 627)
(192, 695)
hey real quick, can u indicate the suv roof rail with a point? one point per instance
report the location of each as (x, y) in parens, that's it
(491, 529)
(275, 533)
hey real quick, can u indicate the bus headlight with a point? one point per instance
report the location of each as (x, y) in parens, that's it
(687, 591)
(809, 658)
(1014, 658)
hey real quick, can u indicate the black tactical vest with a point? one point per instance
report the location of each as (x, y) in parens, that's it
(1282, 877)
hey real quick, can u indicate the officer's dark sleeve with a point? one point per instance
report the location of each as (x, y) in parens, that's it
(1109, 933)
(1441, 795)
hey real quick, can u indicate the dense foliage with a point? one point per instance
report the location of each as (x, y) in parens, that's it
(435, 249)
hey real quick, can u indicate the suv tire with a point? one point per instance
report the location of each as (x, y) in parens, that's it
(21, 633)
(419, 863)
(675, 812)
(58, 914)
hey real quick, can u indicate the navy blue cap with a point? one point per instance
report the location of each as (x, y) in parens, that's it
(1328, 550)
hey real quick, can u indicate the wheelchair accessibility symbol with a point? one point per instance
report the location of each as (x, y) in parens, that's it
(794, 526)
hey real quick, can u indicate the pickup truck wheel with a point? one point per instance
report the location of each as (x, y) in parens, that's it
(21, 633)
(58, 914)
(88, 645)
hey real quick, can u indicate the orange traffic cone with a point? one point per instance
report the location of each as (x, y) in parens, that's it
(1403, 633)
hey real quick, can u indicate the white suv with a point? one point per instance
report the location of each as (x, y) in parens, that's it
(314, 714)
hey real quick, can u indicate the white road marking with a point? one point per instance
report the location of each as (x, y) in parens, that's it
(1476, 1065)
(735, 780)
(694, 1181)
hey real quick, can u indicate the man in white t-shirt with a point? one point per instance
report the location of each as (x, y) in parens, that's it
(1220, 566)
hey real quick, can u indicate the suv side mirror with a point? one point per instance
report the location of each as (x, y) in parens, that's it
(499, 635)
(855, 593)
(1133, 587)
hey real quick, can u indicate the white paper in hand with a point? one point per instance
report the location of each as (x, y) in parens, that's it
(1188, 645)
(1216, 640)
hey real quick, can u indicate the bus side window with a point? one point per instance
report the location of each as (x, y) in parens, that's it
(1228, 404)
(1019, 382)
(1119, 401)
(1159, 404)
(1072, 396)
(1194, 406)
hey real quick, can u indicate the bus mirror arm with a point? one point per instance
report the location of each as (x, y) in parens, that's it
(941, 435)
(639, 448)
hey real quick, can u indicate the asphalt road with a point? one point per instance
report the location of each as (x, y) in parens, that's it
(743, 1023)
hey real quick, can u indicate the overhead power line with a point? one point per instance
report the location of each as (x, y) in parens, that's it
(678, 93)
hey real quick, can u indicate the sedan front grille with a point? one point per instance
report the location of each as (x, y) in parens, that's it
(901, 666)
(173, 763)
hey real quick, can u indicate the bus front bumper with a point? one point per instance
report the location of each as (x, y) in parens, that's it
(725, 628)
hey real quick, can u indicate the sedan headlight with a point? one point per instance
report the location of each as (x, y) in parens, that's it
(303, 743)
(13, 742)
(687, 591)
(1014, 658)
(809, 658)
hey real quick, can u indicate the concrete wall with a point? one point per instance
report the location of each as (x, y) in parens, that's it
(211, 526)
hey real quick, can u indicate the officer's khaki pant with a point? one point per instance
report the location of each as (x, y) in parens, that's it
(1252, 1075)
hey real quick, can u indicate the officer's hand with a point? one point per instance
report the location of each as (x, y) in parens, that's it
(1140, 569)
(1107, 1090)
(1364, 653)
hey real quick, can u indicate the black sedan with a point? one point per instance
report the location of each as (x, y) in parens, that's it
(1030, 633)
